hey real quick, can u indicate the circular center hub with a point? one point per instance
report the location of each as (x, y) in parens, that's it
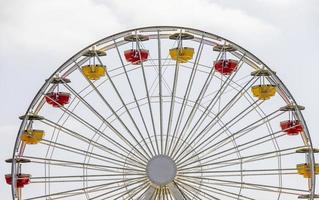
(161, 170)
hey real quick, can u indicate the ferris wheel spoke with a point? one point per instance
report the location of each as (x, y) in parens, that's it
(241, 115)
(138, 191)
(198, 102)
(247, 129)
(112, 193)
(70, 180)
(173, 94)
(250, 98)
(88, 86)
(100, 146)
(244, 131)
(149, 103)
(227, 163)
(92, 155)
(136, 102)
(73, 68)
(269, 157)
(159, 64)
(238, 148)
(241, 162)
(228, 81)
(247, 172)
(254, 186)
(78, 166)
(135, 191)
(126, 109)
(187, 93)
(246, 59)
(187, 192)
(90, 126)
(147, 195)
(221, 143)
(219, 191)
(160, 90)
(257, 189)
(176, 192)
(206, 128)
(230, 123)
(185, 186)
(110, 189)
(166, 194)
(154, 84)
(80, 189)
(119, 119)
(231, 86)
(242, 159)
(114, 174)
(84, 192)
(73, 164)
(224, 128)
(252, 143)
(203, 117)
(120, 190)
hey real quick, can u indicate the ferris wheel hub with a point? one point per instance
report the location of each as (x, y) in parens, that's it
(161, 170)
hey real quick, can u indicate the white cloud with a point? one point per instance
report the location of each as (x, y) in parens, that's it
(50, 25)
(277, 2)
(201, 14)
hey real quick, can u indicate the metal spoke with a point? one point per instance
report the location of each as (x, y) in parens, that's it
(246, 129)
(187, 92)
(115, 114)
(206, 128)
(183, 167)
(173, 94)
(216, 190)
(102, 147)
(79, 189)
(149, 101)
(268, 187)
(83, 153)
(90, 126)
(198, 101)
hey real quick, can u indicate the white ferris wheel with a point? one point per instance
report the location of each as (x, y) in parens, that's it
(163, 113)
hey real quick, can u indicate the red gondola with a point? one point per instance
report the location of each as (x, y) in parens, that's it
(135, 56)
(57, 99)
(226, 67)
(22, 180)
(291, 127)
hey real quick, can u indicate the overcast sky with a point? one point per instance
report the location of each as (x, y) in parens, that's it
(37, 36)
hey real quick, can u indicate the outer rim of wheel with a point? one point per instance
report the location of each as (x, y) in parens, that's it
(46, 85)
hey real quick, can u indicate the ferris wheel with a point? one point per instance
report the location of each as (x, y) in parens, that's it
(167, 113)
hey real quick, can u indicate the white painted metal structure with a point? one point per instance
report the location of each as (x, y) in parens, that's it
(163, 129)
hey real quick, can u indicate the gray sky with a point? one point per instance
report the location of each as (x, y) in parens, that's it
(37, 36)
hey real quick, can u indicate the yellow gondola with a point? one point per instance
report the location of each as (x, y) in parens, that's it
(94, 72)
(32, 136)
(304, 169)
(264, 92)
(182, 55)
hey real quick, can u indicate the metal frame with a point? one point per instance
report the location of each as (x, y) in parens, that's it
(183, 187)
